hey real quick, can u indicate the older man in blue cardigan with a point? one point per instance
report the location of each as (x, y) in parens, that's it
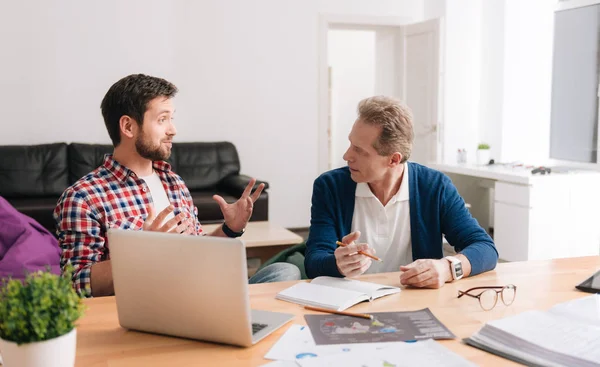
(382, 204)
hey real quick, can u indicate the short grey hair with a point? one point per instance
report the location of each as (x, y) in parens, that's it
(396, 121)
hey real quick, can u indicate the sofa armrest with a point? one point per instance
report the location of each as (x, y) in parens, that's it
(235, 184)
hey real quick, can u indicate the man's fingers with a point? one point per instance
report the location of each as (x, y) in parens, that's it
(357, 263)
(349, 238)
(352, 262)
(150, 217)
(222, 203)
(363, 266)
(249, 187)
(353, 248)
(181, 228)
(412, 269)
(427, 283)
(160, 218)
(171, 223)
(343, 256)
(257, 192)
(419, 278)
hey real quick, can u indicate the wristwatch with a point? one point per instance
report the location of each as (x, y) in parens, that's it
(455, 267)
(230, 233)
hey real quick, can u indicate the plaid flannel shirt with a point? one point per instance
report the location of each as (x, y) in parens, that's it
(111, 196)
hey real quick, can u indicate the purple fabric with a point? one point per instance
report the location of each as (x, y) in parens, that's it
(25, 246)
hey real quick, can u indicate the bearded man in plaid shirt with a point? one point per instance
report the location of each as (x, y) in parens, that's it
(135, 189)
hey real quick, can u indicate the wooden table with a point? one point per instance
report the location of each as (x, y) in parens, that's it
(264, 239)
(540, 285)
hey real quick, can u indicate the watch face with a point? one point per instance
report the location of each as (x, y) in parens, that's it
(458, 269)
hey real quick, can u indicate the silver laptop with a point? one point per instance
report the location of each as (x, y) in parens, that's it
(187, 286)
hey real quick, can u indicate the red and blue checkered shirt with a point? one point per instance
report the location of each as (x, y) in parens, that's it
(111, 196)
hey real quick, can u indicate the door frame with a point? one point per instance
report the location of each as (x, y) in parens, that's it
(421, 27)
(339, 21)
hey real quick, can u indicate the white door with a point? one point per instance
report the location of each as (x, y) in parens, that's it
(421, 76)
(406, 60)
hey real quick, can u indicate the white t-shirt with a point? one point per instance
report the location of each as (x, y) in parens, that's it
(386, 229)
(158, 194)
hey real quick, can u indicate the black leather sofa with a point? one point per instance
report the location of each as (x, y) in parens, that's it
(32, 177)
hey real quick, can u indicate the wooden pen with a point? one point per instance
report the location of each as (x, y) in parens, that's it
(361, 315)
(360, 252)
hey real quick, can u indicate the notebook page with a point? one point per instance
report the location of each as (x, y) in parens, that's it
(321, 296)
(356, 285)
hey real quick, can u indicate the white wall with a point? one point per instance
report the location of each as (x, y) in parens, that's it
(246, 70)
(528, 38)
(461, 78)
(492, 76)
(497, 81)
(351, 56)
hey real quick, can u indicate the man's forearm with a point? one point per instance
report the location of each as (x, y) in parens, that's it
(101, 279)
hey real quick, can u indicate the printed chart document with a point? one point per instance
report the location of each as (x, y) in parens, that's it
(385, 327)
(423, 354)
(298, 347)
(565, 335)
(334, 293)
(298, 343)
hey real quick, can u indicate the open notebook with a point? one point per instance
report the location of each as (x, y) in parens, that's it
(334, 293)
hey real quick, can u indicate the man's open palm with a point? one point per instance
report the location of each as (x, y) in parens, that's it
(238, 214)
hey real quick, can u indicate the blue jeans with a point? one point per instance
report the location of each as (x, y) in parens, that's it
(276, 272)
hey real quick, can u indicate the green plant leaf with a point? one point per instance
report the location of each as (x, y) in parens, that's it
(42, 307)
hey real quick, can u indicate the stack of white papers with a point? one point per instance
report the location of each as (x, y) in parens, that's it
(566, 335)
(297, 348)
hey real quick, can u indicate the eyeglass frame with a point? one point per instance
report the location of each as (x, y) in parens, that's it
(494, 287)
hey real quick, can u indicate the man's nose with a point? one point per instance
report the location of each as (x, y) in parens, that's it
(172, 131)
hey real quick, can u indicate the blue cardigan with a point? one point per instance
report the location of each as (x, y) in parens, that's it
(436, 208)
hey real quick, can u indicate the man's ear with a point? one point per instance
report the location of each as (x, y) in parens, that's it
(395, 159)
(127, 126)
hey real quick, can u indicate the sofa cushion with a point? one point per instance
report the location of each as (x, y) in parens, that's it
(84, 158)
(33, 170)
(203, 165)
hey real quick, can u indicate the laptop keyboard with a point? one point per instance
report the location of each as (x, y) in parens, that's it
(257, 327)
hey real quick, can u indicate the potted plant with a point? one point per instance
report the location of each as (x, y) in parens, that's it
(483, 154)
(37, 320)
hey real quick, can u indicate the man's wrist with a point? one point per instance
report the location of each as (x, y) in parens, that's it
(236, 228)
(230, 232)
(448, 273)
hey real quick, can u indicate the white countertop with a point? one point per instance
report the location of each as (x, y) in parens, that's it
(507, 173)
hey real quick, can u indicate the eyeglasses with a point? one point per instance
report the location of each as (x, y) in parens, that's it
(488, 296)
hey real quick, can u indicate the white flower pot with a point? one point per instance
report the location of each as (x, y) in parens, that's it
(483, 156)
(57, 352)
